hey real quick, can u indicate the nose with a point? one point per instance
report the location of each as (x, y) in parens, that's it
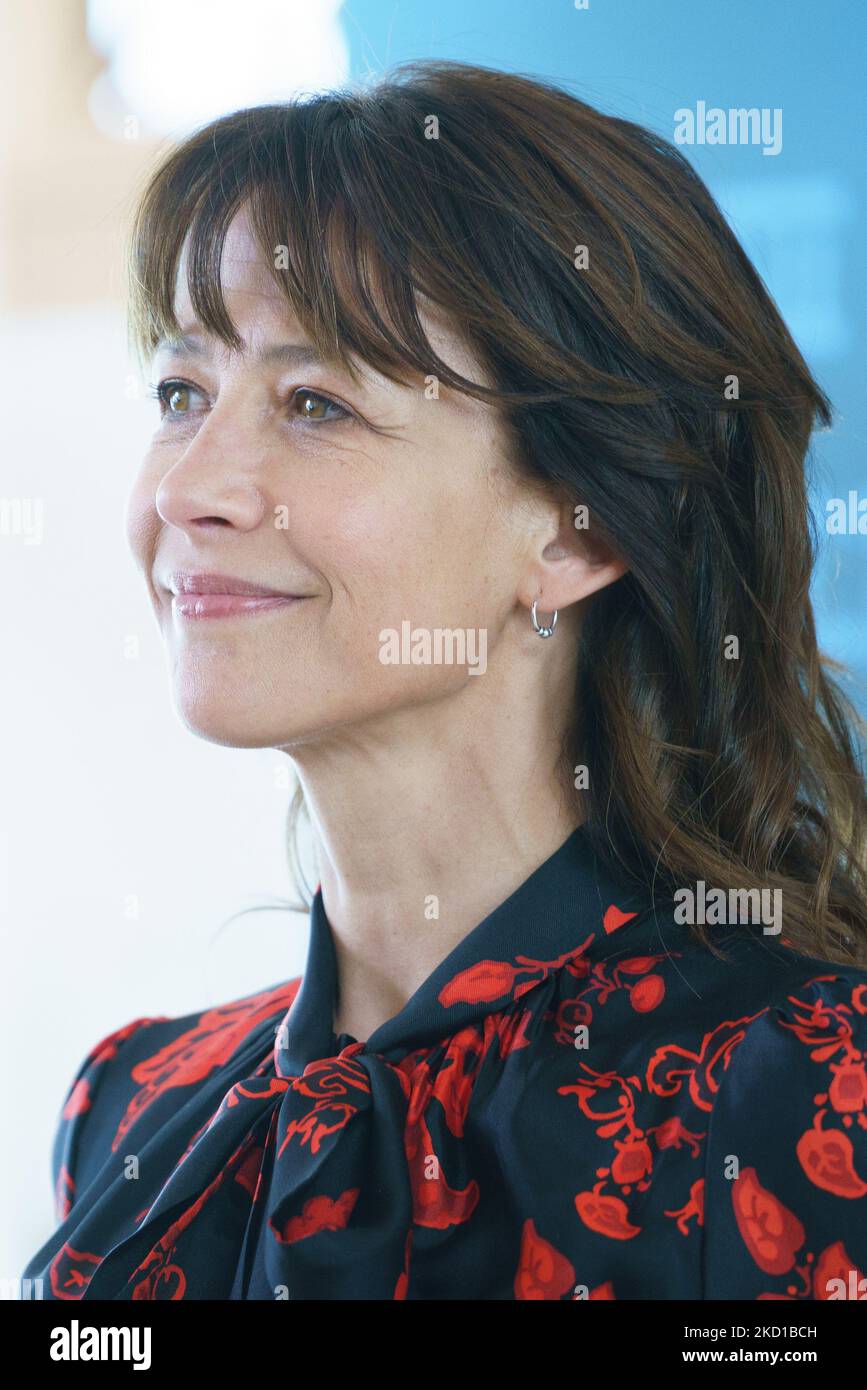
(216, 478)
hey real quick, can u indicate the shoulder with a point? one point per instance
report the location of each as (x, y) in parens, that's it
(785, 1197)
(713, 1109)
(130, 1069)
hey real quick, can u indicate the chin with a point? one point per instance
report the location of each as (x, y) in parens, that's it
(231, 718)
(228, 712)
(231, 728)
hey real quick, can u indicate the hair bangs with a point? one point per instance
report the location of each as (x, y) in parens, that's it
(325, 210)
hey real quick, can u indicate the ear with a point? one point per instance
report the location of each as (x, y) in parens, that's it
(572, 563)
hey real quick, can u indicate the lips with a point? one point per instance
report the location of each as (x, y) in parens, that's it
(205, 595)
(187, 582)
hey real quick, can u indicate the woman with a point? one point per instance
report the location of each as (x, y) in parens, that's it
(479, 491)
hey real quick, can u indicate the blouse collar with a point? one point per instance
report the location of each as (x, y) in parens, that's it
(570, 906)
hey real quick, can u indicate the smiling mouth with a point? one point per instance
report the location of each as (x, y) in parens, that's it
(228, 605)
(222, 596)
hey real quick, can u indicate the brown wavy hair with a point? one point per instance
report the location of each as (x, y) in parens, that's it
(655, 383)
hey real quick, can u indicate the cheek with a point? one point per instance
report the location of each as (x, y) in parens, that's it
(406, 550)
(141, 519)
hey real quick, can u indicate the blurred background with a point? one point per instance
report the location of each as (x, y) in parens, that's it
(125, 842)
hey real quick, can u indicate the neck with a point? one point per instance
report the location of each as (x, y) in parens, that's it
(426, 821)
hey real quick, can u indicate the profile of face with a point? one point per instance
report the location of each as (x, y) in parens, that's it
(362, 504)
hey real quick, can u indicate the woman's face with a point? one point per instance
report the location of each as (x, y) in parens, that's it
(369, 504)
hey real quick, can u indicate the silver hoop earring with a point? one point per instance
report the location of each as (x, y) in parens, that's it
(543, 631)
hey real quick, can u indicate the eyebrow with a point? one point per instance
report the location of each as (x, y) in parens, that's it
(292, 354)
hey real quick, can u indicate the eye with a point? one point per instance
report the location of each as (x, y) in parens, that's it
(309, 405)
(173, 396)
(176, 400)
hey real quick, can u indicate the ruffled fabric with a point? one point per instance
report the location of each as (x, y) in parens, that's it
(581, 1101)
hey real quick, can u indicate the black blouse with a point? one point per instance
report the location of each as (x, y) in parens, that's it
(581, 1101)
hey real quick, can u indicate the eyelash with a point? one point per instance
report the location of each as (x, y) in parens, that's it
(162, 390)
